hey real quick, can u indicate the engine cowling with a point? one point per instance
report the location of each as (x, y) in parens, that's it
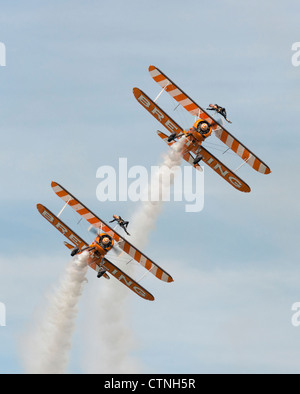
(103, 243)
(203, 128)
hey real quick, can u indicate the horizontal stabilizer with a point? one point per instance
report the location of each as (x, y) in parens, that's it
(71, 247)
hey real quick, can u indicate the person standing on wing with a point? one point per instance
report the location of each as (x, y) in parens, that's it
(121, 222)
(220, 110)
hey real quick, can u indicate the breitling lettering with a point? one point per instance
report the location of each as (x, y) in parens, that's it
(60, 227)
(74, 239)
(224, 173)
(126, 281)
(47, 216)
(157, 113)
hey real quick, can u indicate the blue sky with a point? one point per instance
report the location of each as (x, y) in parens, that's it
(67, 108)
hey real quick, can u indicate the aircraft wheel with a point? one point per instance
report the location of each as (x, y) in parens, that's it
(74, 252)
(198, 159)
(100, 274)
(172, 137)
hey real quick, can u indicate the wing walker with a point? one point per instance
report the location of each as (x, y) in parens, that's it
(106, 240)
(194, 152)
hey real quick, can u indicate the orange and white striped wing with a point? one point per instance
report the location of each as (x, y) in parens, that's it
(211, 161)
(216, 165)
(178, 94)
(138, 256)
(193, 108)
(61, 227)
(241, 150)
(122, 277)
(157, 112)
(96, 222)
(83, 211)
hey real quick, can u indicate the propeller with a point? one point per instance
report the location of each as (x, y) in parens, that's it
(115, 250)
(96, 232)
(92, 230)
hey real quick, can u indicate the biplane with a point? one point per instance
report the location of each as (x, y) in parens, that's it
(107, 239)
(193, 150)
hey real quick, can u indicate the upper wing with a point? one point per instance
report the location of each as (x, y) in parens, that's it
(193, 108)
(178, 94)
(237, 147)
(126, 246)
(61, 226)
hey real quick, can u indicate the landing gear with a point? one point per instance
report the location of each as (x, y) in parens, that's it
(198, 159)
(75, 252)
(101, 273)
(172, 137)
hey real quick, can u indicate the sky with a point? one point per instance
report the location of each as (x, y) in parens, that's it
(67, 108)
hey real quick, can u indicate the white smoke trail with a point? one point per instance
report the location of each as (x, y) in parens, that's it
(111, 340)
(46, 349)
(145, 218)
(108, 341)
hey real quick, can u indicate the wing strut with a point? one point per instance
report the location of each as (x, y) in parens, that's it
(245, 161)
(64, 207)
(161, 92)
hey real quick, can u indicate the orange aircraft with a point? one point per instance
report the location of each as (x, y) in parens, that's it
(193, 151)
(106, 240)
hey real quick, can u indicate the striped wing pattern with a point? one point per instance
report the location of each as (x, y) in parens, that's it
(95, 262)
(216, 165)
(157, 112)
(177, 94)
(122, 243)
(220, 132)
(61, 227)
(212, 162)
(241, 150)
(122, 277)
